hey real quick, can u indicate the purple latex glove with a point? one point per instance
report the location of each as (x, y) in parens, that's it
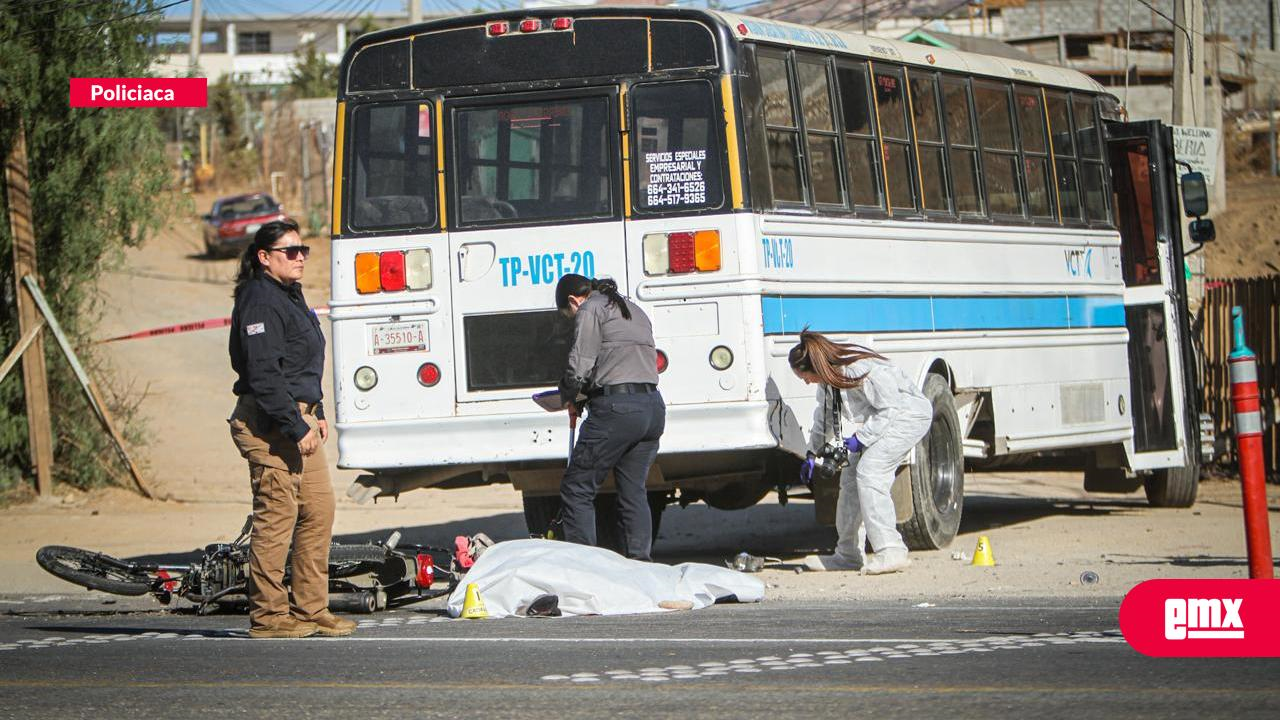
(854, 444)
(806, 469)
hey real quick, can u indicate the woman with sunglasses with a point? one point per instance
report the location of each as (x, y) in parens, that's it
(278, 425)
(886, 415)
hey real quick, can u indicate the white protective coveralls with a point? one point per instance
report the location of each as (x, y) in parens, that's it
(889, 415)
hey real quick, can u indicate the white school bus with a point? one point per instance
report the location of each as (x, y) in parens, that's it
(988, 224)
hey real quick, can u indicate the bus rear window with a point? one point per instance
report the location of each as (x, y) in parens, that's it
(533, 161)
(677, 148)
(393, 168)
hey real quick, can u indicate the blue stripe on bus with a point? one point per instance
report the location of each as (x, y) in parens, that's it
(790, 315)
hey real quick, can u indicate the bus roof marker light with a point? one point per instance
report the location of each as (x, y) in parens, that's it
(417, 269)
(368, 278)
(742, 28)
(563, 23)
(682, 252)
(391, 270)
(498, 28)
(656, 257)
(530, 25)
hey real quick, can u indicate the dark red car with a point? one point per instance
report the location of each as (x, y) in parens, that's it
(230, 225)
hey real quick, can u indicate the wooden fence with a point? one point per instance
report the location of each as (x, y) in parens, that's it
(1260, 299)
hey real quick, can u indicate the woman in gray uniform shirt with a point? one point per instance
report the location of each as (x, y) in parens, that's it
(613, 362)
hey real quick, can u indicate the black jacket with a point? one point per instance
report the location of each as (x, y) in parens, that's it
(277, 350)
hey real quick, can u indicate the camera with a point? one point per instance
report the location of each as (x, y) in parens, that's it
(830, 462)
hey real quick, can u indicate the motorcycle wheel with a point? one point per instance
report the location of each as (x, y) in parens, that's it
(349, 560)
(93, 570)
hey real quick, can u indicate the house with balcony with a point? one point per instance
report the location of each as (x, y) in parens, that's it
(260, 49)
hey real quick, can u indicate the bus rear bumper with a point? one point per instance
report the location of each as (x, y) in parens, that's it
(488, 439)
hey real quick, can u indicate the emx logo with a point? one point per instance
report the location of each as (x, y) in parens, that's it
(1203, 618)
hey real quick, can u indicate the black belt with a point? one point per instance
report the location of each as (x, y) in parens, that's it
(628, 389)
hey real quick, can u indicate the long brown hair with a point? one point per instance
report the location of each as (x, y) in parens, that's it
(818, 354)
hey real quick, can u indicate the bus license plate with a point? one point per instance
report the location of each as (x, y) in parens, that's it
(398, 337)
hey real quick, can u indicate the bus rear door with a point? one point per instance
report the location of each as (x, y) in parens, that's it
(535, 193)
(1147, 214)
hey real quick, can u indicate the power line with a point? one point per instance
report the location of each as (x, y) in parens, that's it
(94, 26)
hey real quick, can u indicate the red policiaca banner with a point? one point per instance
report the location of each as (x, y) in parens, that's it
(1203, 618)
(139, 92)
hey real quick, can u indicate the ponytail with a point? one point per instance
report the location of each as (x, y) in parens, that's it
(609, 288)
(266, 237)
(579, 286)
(819, 355)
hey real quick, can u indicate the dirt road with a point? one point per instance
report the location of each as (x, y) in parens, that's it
(1045, 530)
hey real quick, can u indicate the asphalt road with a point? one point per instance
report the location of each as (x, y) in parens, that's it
(1031, 658)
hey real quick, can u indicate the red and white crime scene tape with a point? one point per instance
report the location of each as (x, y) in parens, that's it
(210, 324)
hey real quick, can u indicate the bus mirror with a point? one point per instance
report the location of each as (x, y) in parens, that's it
(1202, 231)
(1195, 196)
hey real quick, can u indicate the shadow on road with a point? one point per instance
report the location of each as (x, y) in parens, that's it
(704, 534)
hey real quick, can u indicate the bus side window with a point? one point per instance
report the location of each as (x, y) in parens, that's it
(861, 151)
(928, 127)
(1064, 154)
(1093, 174)
(781, 129)
(393, 167)
(1035, 151)
(895, 132)
(677, 149)
(962, 144)
(820, 130)
(999, 151)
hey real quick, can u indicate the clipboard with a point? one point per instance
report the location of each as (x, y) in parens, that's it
(549, 400)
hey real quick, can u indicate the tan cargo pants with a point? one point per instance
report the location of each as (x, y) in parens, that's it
(292, 502)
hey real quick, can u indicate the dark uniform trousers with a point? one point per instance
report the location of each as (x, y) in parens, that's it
(292, 504)
(621, 433)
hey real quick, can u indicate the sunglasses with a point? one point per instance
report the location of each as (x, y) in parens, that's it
(293, 251)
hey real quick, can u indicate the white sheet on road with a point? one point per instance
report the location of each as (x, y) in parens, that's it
(593, 581)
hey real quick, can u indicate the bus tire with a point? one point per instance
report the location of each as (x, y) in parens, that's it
(539, 511)
(937, 475)
(1173, 487)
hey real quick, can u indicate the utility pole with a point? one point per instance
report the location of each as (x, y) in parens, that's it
(415, 11)
(1188, 62)
(197, 15)
(35, 379)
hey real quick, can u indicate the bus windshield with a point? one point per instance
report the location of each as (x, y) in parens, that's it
(534, 161)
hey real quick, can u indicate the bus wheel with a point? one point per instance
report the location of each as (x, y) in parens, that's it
(1173, 487)
(539, 511)
(937, 475)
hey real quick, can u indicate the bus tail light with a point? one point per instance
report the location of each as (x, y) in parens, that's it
(562, 23)
(391, 270)
(428, 374)
(530, 25)
(681, 252)
(417, 269)
(706, 250)
(662, 362)
(368, 278)
(498, 28)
